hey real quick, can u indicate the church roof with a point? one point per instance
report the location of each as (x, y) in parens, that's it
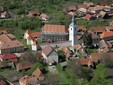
(54, 28)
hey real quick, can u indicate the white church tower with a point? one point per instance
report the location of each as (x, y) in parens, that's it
(73, 32)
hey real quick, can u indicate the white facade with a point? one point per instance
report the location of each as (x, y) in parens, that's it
(26, 36)
(73, 32)
(34, 47)
(51, 58)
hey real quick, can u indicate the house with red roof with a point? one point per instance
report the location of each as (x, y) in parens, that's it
(28, 80)
(9, 57)
(44, 16)
(31, 38)
(81, 28)
(5, 15)
(98, 30)
(85, 62)
(89, 17)
(34, 13)
(108, 36)
(9, 44)
(50, 55)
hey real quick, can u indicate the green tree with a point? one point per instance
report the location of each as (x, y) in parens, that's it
(100, 76)
(61, 55)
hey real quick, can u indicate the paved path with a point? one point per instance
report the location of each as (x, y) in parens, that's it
(58, 44)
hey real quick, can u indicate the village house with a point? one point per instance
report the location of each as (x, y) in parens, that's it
(109, 28)
(103, 15)
(9, 44)
(85, 62)
(105, 46)
(78, 49)
(44, 16)
(3, 32)
(70, 8)
(3, 82)
(25, 65)
(89, 4)
(8, 58)
(32, 38)
(95, 39)
(97, 30)
(68, 53)
(107, 36)
(89, 17)
(5, 15)
(96, 9)
(98, 57)
(95, 57)
(28, 80)
(50, 56)
(38, 74)
(54, 33)
(81, 28)
(34, 13)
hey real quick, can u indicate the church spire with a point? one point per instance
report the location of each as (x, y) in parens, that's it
(73, 32)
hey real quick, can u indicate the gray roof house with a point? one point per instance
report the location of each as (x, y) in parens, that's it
(49, 55)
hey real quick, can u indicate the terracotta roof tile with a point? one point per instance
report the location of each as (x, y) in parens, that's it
(13, 57)
(81, 28)
(84, 61)
(95, 57)
(37, 12)
(54, 28)
(106, 34)
(44, 16)
(28, 31)
(3, 31)
(23, 65)
(98, 29)
(66, 50)
(28, 80)
(37, 73)
(47, 50)
(36, 34)
(10, 44)
(88, 16)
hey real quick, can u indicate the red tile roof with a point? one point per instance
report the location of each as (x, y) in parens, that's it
(54, 28)
(88, 16)
(37, 73)
(95, 57)
(47, 50)
(24, 65)
(85, 61)
(106, 34)
(5, 13)
(10, 44)
(36, 34)
(81, 27)
(28, 31)
(28, 80)
(44, 16)
(13, 57)
(98, 29)
(37, 12)
(3, 31)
